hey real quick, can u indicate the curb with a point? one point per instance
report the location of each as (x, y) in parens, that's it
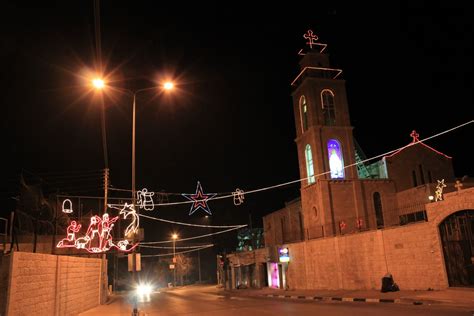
(343, 299)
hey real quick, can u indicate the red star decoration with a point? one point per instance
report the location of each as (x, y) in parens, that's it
(199, 199)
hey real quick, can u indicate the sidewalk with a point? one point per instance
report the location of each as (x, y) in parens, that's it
(463, 297)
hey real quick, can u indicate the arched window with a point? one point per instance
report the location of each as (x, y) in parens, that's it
(378, 209)
(304, 113)
(309, 164)
(336, 161)
(327, 102)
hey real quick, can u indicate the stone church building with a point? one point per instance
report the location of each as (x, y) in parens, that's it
(403, 213)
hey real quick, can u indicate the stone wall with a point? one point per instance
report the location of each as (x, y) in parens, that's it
(44, 284)
(411, 253)
(4, 270)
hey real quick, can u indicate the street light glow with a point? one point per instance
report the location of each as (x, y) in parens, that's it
(168, 85)
(98, 83)
(174, 236)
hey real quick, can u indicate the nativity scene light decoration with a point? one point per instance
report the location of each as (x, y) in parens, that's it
(98, 236)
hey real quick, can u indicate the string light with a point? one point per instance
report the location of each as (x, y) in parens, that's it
(188, 224)
(231, 195)
(176, 247)
(190, 238)
(177, 253)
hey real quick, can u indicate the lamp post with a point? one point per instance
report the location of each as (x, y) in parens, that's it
(174, 237)
(166, 86)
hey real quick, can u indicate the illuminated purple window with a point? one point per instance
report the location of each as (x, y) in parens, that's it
(336, 162)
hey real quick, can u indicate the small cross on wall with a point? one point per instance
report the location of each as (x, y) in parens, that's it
(458, 185)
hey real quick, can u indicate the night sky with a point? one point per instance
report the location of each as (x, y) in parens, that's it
(230, 123)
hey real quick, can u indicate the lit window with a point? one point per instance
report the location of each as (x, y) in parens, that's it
(309, 164)
(327, 102)
(304, 113)
(336, 161)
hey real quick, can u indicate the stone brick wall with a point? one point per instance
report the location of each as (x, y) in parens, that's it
(4, 270)
(44, 284)
(411, 253)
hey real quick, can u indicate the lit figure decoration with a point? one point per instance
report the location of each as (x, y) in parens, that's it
(97, 238)
(439, 190)
(199, 199)
(238, 196)
(129, 210)
(70, 240)
(105, 237)
(458, 185)
(145, 200)
(336, 163)
(311, 37)
(67, 206)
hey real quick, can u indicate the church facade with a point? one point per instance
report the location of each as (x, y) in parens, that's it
(337, 233)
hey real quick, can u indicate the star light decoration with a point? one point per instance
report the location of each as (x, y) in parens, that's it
(199, 199)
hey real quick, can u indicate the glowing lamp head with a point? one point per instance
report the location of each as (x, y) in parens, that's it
(431, 198)
(174, 236)
(168, 85)
(98, 83)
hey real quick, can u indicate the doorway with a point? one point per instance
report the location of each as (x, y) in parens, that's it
(457, 237)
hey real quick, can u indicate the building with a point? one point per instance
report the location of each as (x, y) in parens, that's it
(352, 216)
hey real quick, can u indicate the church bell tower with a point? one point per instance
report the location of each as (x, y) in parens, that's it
(323, 136)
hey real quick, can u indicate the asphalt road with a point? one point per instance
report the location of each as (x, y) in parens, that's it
(200, 300)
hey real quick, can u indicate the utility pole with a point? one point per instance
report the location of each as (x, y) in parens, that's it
(106, 188)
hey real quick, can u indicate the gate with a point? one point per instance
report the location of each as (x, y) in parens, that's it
(457, 236)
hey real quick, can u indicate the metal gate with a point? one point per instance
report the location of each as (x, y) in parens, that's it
(457, 236)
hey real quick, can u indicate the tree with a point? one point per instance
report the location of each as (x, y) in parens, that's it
(184, 266)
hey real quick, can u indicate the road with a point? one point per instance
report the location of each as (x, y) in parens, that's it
(206, 300)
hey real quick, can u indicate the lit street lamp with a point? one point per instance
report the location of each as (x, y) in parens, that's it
(174, 237)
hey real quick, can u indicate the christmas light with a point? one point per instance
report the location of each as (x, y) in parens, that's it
(199, 200)
(238, 196)
(145, 200)
(97, 238)
(129, 210)
(386, 154)
(67, 206)
(177, 253)
(439, 190)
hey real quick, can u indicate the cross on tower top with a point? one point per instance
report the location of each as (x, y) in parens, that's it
(415, 136)
(311, 37)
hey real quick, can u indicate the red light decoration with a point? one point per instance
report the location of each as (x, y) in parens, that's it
(342, 225)
(98, 237)
(199, 199)
(311, 37)
(416, 141)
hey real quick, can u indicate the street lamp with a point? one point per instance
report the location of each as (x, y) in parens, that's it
(174, 237)
(98, 83)
(166, 86)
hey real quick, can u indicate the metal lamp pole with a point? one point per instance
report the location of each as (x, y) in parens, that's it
(174, 237)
